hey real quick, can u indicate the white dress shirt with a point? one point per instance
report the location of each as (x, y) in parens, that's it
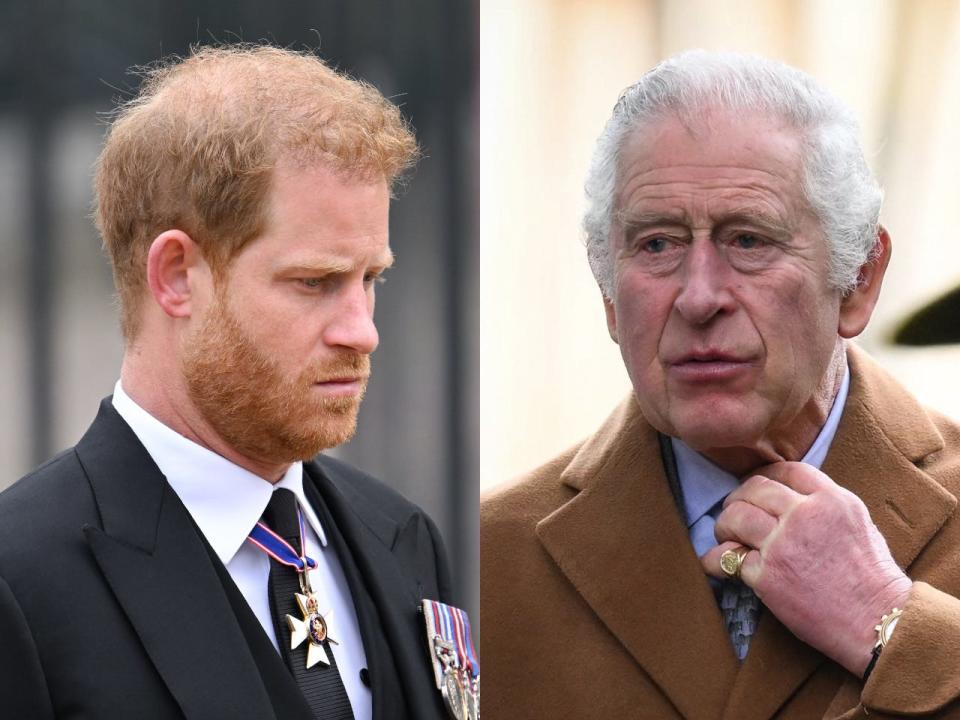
(226, 501)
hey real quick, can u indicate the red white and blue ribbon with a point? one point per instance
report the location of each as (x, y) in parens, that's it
(453, 626)
(278, 548)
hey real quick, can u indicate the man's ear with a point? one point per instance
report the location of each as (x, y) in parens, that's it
(611, 312)
(857, 307)
(172, 263)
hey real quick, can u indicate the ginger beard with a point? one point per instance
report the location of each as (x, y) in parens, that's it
(257, 408)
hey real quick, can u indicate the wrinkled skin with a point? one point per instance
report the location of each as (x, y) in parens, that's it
(816, 560)
(733, 338)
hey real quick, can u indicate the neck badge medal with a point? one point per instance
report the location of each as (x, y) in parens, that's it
(454, 658)
(314, 625)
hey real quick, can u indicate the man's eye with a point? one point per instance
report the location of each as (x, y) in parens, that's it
(655, 245)
(374, 278)
(746, 241)
(312, 283)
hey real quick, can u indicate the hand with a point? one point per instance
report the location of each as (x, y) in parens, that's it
(815, 559)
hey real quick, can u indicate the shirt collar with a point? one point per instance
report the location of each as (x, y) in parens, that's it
(224, 499)
(704, 484)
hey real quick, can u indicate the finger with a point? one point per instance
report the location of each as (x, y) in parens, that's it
(749, 568)
(770, 495)
(803, 478)
(744, 523)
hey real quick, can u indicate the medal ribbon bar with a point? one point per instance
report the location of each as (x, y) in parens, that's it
(454, 659)
(452, 625)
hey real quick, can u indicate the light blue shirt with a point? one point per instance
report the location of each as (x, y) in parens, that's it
(704, 484)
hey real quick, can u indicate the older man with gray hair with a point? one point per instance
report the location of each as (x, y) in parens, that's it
(767, 526)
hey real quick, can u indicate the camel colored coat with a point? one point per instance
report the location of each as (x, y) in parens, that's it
(594, 605)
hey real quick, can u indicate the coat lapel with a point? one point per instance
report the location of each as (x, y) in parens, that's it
(623, 545)
(393, 623)
(152, 557)
(883, 434)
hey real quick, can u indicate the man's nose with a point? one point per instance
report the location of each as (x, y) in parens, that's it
(352, 323)
(705, 278)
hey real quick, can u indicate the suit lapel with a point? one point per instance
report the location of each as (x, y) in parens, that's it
(391, 621)
(882, 436)
(625, 549)
(154, 561)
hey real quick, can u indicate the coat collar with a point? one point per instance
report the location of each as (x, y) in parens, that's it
(622, 544)
(883, 436)
(333, 483)
(154, 560)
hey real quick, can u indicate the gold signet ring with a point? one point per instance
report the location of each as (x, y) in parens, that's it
(731, 561)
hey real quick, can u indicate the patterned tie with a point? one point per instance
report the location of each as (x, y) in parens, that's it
(741, 610)
(739, 605)
(321, 685)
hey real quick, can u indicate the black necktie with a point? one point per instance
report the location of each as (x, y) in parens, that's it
(321, 684)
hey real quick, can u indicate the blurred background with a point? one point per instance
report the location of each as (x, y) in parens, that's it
(62, 66)
(552, 71)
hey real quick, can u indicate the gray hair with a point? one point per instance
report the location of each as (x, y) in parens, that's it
(838, 183)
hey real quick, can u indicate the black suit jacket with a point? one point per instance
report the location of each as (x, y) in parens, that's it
(113, 606)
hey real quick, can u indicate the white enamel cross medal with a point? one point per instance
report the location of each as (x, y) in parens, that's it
(314, 627)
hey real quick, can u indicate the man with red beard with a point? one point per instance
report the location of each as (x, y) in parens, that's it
(186, 558)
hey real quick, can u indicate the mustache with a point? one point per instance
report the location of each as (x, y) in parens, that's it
(347, 365)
